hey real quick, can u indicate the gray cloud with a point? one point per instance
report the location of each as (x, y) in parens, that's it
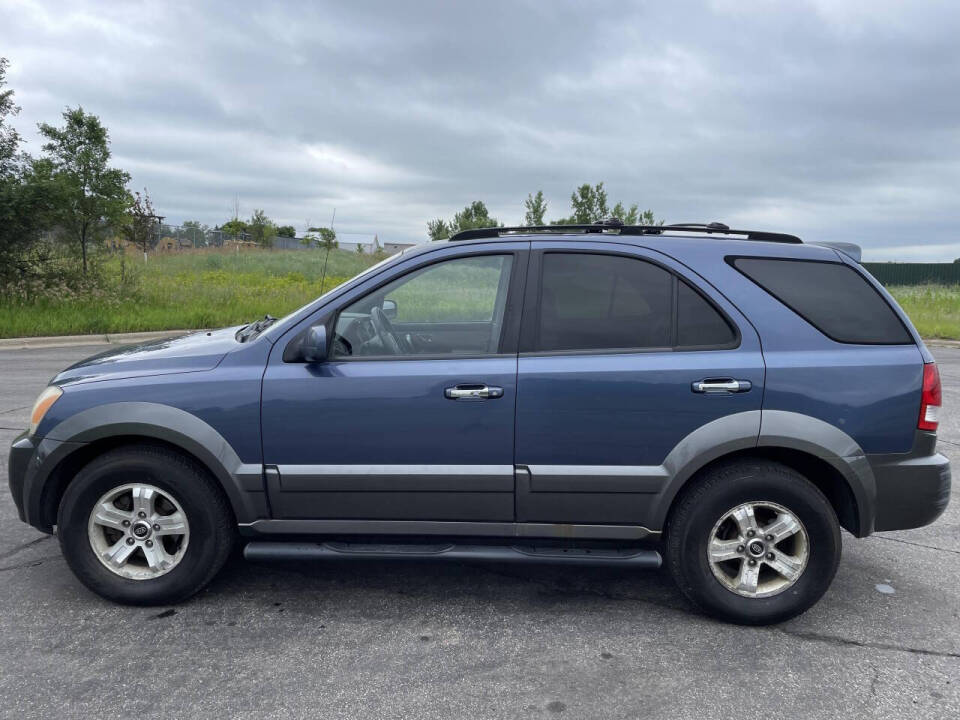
(833, 120)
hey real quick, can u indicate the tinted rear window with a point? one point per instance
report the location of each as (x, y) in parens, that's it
(832, 297)
(603, 301)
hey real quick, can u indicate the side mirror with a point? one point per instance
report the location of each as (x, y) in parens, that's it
(314, 344)
(389, 308)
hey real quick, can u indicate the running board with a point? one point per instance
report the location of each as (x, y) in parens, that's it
(294, 551)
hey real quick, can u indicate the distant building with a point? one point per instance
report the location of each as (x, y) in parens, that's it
(393, 248)
(350, 241)
(288, 243)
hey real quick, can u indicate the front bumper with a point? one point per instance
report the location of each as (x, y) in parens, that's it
(913, 490)
(21, 452)
(30, 466)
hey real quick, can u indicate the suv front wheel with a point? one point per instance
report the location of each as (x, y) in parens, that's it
(753, 542)
(144, 525)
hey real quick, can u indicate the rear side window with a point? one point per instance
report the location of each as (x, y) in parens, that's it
(592, 302)
(610, 302)
(698, 322)
(832, 297)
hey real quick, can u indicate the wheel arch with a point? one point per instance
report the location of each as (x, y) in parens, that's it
(821, 452)
(822, 474)
(78, 439)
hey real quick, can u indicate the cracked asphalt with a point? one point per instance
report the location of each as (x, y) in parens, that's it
(415, 640)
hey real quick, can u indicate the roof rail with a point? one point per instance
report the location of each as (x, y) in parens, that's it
(716, 227)
(615, 226)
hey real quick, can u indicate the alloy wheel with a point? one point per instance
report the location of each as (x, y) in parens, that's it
(758, 549)
(138, 531)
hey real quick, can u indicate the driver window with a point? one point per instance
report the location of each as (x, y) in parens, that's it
(454, 307)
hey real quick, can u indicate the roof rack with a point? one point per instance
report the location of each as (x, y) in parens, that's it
(615, 226)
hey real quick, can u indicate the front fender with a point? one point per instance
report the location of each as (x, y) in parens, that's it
(242, 483)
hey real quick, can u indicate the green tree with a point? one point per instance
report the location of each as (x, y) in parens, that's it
(328, 238)
(92, 196)
(324, 238)
(9, 137)
(261, 229)
(536, 208)
(589, 205)
(141, 228)
(27, 200)
(235, 227)
(286, 231)
(474, 215)
(438, 229)
(24, 192)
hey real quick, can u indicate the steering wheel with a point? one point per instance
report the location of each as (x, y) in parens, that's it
(396, 343)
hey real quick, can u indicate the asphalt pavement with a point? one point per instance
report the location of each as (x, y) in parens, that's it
(420, 640)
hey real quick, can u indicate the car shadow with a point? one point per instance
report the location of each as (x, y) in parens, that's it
(530, 585)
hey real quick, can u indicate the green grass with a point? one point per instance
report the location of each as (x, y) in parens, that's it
(199, 289)
(933, 309)
(465, 291)
(204, 289)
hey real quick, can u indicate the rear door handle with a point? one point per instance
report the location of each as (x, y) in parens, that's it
(720, 385)
(473, 392)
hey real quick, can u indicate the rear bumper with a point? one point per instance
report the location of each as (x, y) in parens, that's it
(912, 491)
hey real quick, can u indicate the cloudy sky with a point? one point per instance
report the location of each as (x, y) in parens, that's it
(834, 120)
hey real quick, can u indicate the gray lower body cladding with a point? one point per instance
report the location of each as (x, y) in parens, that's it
(913, 489)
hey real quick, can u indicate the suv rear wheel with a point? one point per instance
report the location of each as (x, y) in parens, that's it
(144, 525)
(753, 542)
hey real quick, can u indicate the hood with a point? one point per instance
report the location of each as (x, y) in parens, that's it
(185, 353)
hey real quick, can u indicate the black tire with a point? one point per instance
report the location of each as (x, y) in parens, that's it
(211, 524)
(718, 491)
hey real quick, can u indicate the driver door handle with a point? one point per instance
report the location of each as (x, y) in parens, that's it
(473, 392)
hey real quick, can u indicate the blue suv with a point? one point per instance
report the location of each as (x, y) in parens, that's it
(722, 400)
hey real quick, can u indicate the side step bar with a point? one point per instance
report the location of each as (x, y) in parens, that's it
(298, 551)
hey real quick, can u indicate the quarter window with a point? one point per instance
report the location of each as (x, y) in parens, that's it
(831, 296)
(698, 322)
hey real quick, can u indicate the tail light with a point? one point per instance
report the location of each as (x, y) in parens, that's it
(930, 399)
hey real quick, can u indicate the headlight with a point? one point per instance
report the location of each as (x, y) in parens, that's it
(46, 400)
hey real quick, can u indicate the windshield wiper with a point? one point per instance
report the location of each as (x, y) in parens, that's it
(254, 328)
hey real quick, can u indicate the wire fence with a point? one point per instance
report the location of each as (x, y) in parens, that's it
(176, 237)
(179, 237)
